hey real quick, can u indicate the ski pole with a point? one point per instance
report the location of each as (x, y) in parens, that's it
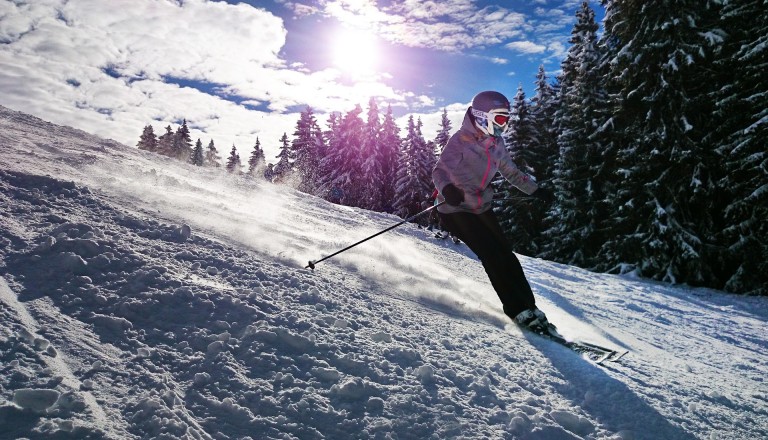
(514, 199)
(312, 264)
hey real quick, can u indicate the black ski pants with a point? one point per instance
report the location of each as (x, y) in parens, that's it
(483, 234)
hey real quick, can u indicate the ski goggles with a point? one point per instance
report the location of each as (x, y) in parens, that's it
(494, 122)
(499, 116)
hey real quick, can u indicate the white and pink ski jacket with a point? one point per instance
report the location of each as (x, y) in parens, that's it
(470, 161)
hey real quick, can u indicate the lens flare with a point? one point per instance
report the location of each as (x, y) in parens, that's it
(355, 52)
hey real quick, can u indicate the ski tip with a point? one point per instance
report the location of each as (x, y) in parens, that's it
(311, 265)
(613, 356)
(619, 355)
(604, 358)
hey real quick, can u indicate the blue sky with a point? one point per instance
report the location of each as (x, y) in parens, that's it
(443, 50)
(237, 70)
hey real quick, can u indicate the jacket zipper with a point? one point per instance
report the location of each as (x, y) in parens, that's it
(485, 175)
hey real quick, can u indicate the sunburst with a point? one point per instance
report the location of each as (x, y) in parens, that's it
(356, 52)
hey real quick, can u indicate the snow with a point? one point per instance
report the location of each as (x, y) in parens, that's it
(144, 298)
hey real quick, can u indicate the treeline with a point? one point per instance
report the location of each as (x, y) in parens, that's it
(178, 145)
(353, 161)
(653, 139)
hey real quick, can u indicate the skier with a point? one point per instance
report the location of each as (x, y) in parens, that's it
(463, 177)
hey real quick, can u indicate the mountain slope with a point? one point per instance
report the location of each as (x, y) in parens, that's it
(144, 298)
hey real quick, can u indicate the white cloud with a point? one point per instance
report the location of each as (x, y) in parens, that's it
(450, 25)
(526, 47)
(62, 58)
(458, 25)
(558, 50)
(110, 67)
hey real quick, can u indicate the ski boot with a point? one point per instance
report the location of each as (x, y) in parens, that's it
(536, 321)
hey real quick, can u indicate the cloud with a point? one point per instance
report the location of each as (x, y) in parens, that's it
(558, 50)
(459, 25)
(211, 41)
(111, 67)
(526, 47)
(451, 25)
(102, 65)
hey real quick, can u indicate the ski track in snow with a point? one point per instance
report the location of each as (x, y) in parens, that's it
(143, 298)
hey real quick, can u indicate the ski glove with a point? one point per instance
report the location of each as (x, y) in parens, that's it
(452, 194)
(544, 195)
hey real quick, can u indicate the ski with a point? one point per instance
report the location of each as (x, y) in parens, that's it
(610, 355)
(596, 353)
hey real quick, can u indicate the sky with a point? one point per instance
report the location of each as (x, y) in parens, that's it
(240, 70)
(140, 301)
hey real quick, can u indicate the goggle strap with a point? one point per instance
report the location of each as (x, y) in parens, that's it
(479, 113)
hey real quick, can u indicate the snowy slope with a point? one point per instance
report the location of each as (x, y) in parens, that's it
(143, 298)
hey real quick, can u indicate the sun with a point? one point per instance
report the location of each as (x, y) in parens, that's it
(355, 52)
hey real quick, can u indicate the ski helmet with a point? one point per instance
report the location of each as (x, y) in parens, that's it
(491, 112)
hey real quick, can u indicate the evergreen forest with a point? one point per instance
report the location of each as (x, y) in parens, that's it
(652, 138)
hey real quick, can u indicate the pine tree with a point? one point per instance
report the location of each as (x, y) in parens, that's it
(257, 161)
(740, 135)
(520, 219)
(390, 146)
(234, 165)
(411, 195)
(306, 150)
(148, 140)
(444, 133)
(580, 179)
(519, 136)
(372, 161)
(165, 142)
(326, 169)
(330, 136)
(182, 143)
(212, 158)
(282, 171)
(197, 158)
(543, 105)
(426, 161)
(343, 165)
(663, 223)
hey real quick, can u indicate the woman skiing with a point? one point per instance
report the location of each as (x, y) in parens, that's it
(463, 175)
